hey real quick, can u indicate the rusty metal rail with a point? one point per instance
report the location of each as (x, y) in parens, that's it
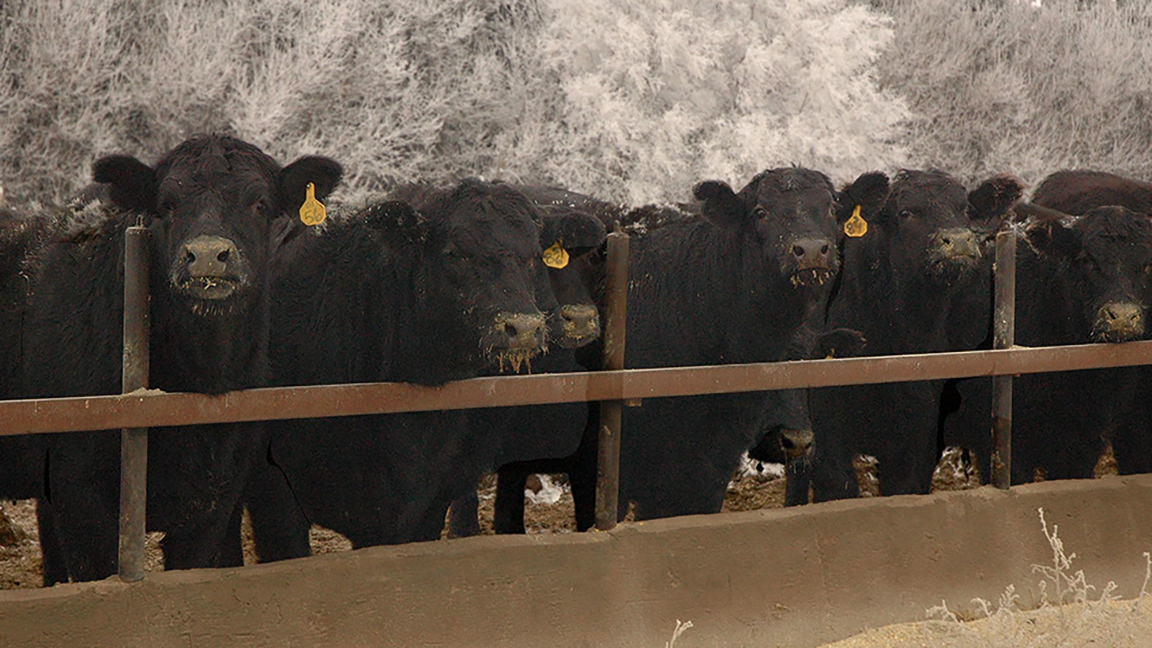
(155, 408)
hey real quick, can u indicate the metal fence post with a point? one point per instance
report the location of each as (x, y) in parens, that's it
(134, 441)
(615, 316)
(1004, 337)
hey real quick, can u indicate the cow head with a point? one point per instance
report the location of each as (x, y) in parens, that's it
(477, 278)
(212, 200)
(932, 228)
(1104, 262)
(572, 243)
(788, 214)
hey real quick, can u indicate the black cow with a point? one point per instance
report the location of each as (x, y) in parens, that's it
(19, 236)
(393, 294)
(731, 287)
(209, 206)
(542, 438)
(1079, 280)
(786, 423)
(1076, 192)
(909, 285)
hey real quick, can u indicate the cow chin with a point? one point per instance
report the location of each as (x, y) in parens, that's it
(952, 266)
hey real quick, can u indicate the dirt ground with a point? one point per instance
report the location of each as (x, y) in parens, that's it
(550, 510)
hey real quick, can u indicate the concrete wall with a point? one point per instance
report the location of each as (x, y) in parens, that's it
(796, 577)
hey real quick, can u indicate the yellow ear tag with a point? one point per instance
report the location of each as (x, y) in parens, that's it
(856, 226)
(312, 212)
(556, 256)
(831, 354)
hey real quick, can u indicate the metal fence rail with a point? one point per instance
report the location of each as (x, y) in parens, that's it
(155, 408)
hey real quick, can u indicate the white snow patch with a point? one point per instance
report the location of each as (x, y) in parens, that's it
(549, 494)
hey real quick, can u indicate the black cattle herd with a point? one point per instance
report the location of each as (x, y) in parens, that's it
(481, 278)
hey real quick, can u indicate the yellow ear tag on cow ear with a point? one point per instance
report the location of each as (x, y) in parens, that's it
(312, 212)
(856, 226)
(831, 354)
(556, 256)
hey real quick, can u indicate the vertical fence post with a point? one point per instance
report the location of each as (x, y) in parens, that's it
(134, 442)
(615, 316)
(1004, 336)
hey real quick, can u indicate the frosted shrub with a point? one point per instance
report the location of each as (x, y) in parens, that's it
(663, 94)
(631, 101)
(1015, 87)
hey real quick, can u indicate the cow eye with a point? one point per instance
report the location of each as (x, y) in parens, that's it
(260, 206)
(1148, 268)
(759, 212)
(167, 206)
(905, 214)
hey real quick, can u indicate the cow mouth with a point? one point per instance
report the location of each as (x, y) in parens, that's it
(513, 359)
(212, 289)
(810, 277)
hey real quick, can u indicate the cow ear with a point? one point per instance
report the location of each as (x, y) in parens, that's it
(395, 219)
(131, 183)
(292, 185)
(721, 205)
(991, 202)
(1052, 237)
(869, 192)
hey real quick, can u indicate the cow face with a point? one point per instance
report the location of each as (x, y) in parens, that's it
(573, 255)
(480, 265)
(935, 229)
(1105, 264)
(212, 200)
(788, 214)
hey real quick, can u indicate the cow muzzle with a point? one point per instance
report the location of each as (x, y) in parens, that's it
(206, 268)
(959, 247)
(813, 261)
(797, 444)
(1118, 322)
(515, 338)
(579, 325)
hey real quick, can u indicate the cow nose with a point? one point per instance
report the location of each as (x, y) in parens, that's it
(208, 256)
(1120, 321)
(523, 331)
(797, 443)
(580, 321)
(959, 242)
(811, 253)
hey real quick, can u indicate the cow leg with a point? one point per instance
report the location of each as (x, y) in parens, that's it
(464, 516)
(85, 512)
(798, 472)
(53, 565)
(909, 470)
(1132, 450)
(232, 549)
(279, 526)
(509, 513)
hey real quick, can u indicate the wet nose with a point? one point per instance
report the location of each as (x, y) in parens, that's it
(812, 253)
(208, 256)
(797, 443)
(580, 320)
(959, 242)
(1121, 321)
(523, 331)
